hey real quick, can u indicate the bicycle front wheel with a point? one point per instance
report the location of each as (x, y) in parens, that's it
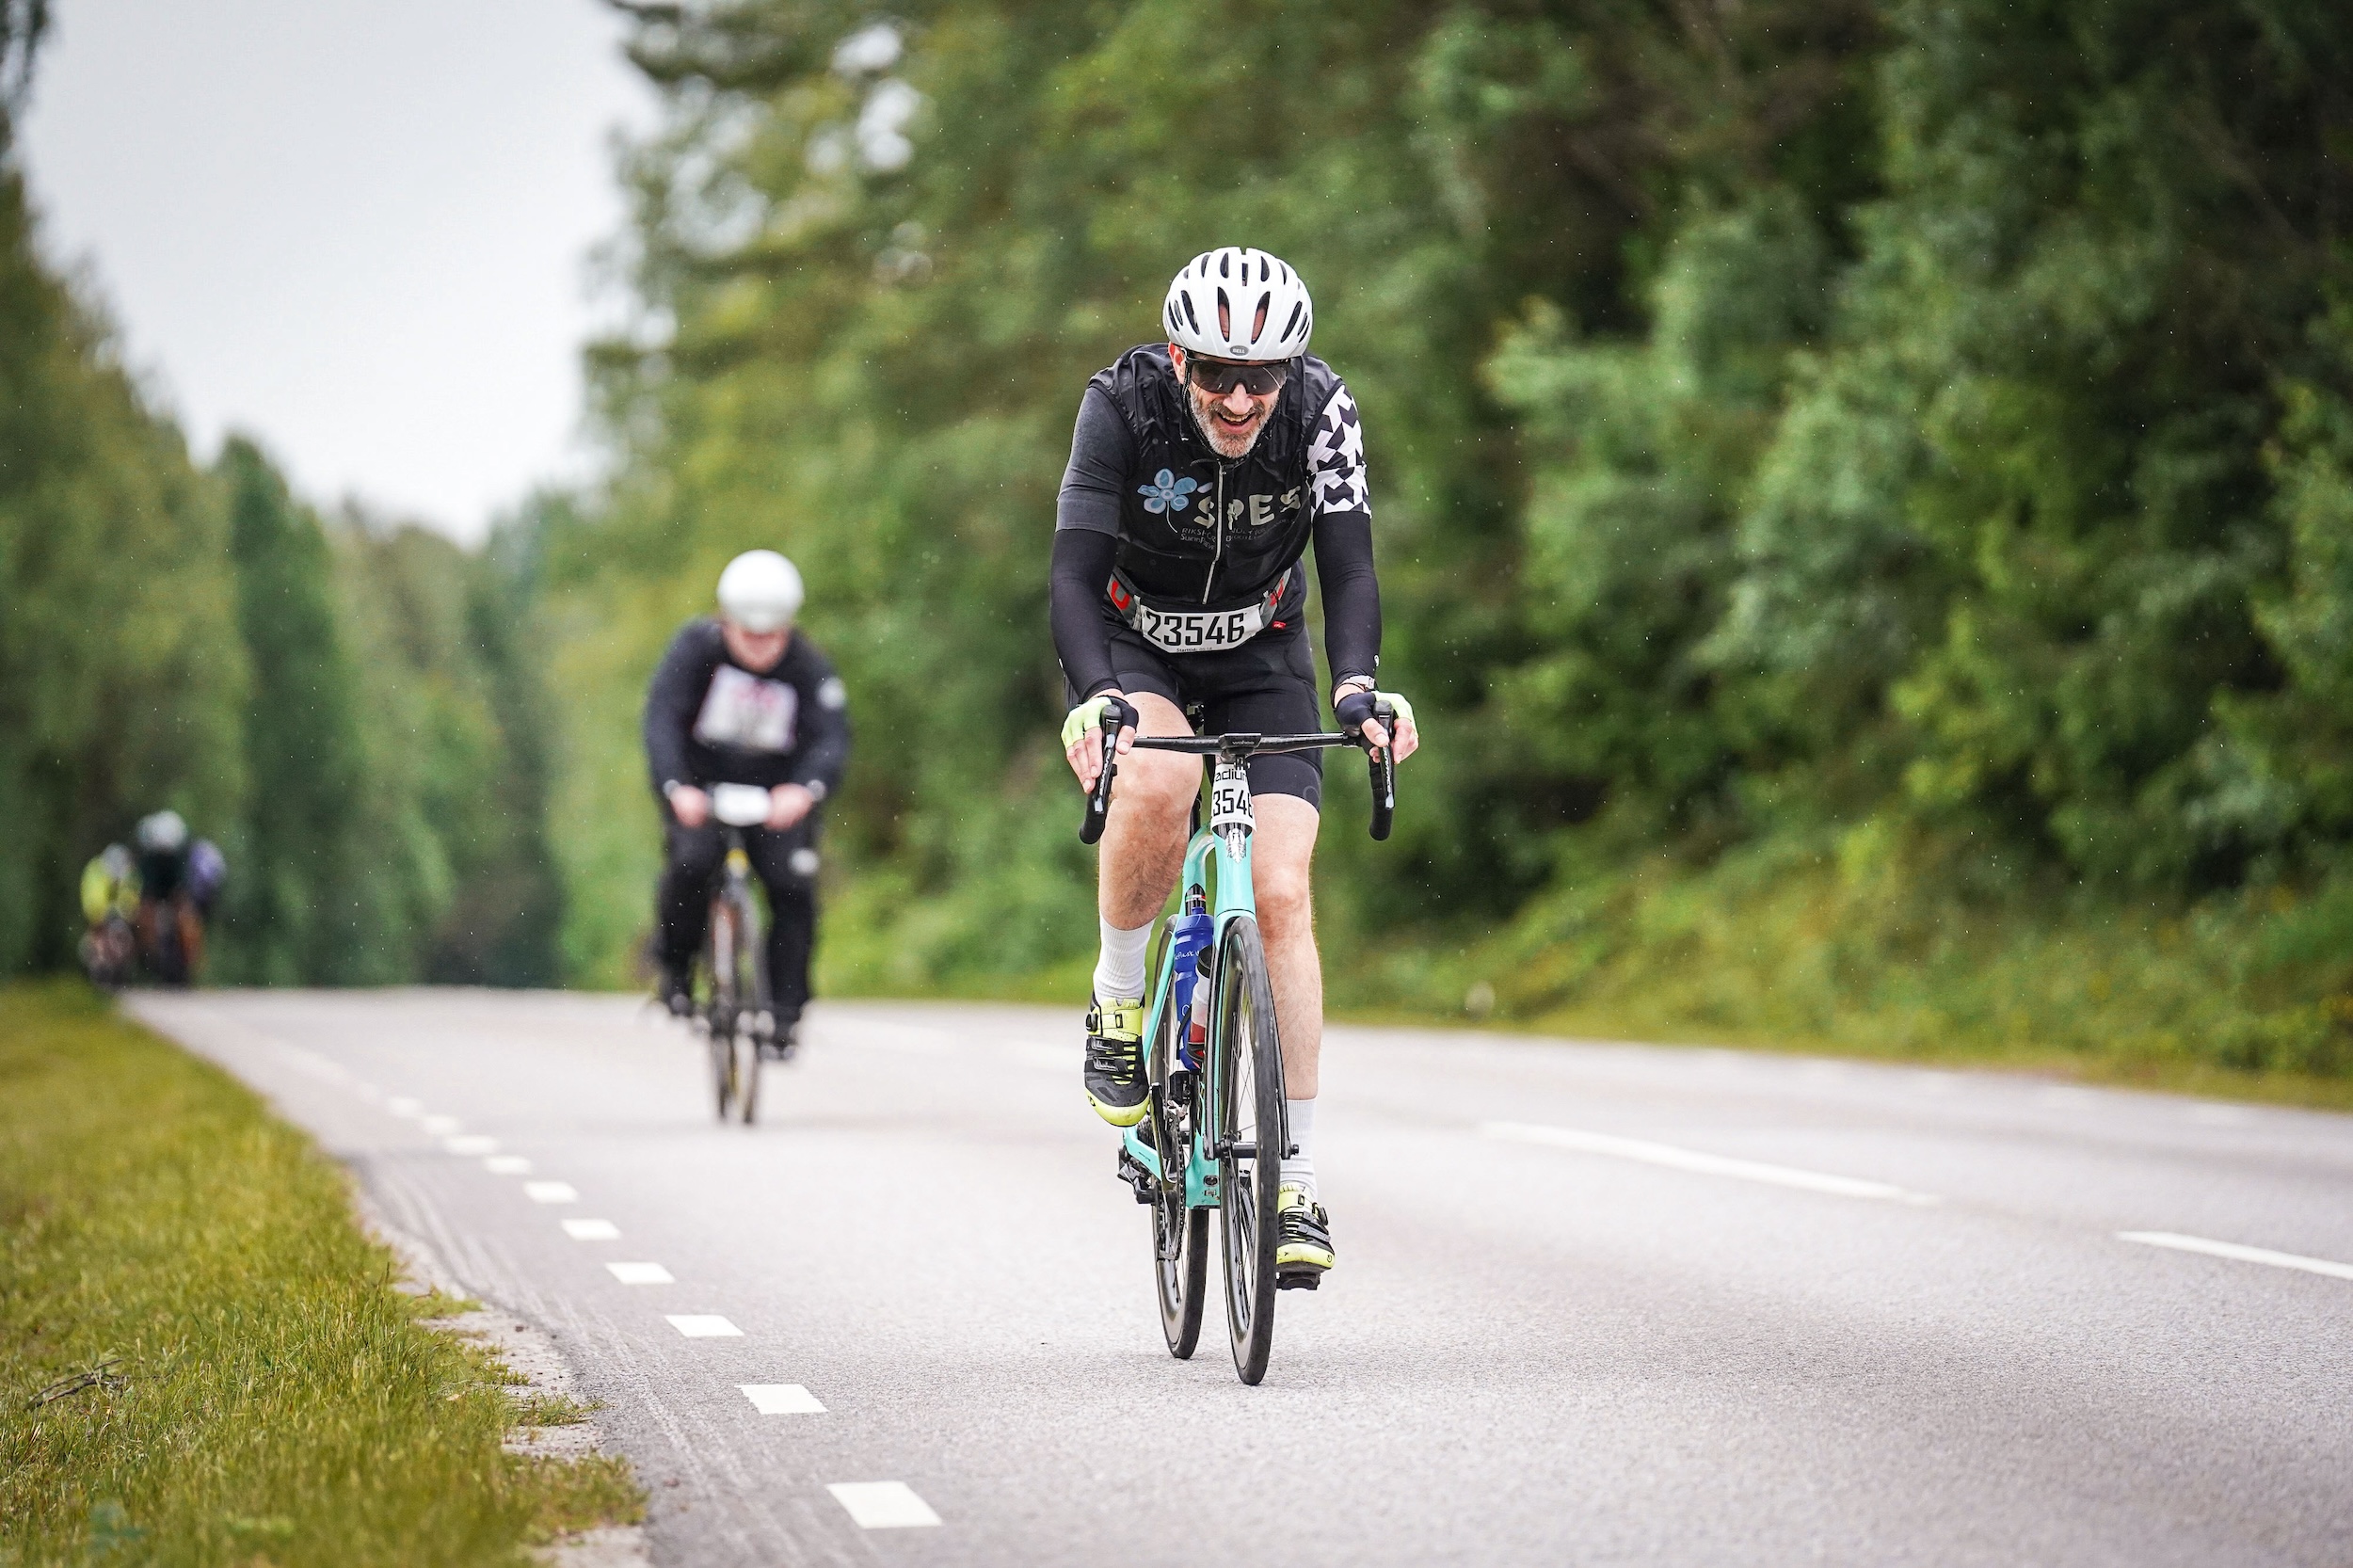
(725, 945)
(1247, 1070)
(1180, 1233)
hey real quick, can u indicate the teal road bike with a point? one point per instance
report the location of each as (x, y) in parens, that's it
(1216, 1135)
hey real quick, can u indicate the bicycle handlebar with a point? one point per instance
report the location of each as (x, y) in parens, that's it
(1381, 759)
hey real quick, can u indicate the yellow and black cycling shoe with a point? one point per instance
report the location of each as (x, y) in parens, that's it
(1114, 1066)
(1304, 1250)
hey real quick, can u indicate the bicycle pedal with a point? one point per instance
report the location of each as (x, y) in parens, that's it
(1298, 1279)
(1131, 1171)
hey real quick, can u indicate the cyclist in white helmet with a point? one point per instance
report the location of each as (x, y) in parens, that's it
(1202, 469)
(746, 697)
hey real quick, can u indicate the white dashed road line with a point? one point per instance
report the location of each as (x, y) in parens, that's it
(441, 1127)
(401, 1105)
(882, 1505)
(2236, 1253)
(704, 1325)
(641, 1274)
(506, 1164)
(472, 1142)
(592, 1231)
(1704, 1164)
(551, 1192)
(781, 1398)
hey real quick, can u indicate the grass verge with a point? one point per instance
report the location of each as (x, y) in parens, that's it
(253, 1389)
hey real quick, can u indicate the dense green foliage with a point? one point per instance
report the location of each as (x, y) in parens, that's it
(1861, 489)
(266, 1395)
(350, 711)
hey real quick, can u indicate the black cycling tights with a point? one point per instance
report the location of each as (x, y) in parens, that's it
(682, 904)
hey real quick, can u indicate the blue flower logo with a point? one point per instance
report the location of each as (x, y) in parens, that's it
(1168, 493)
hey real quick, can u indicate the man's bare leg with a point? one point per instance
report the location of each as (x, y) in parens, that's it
(1279, 863)
(1144, 842)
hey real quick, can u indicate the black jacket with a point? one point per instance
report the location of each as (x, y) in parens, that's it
(711, 721)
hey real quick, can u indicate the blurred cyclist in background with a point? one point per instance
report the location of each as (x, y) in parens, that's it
(178, 881)
(110, 902)
(746, 698)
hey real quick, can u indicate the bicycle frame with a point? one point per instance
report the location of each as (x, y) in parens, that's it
(1225, 842)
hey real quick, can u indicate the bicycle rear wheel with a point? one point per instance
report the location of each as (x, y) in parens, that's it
(1180, 1234)
(1246, 1067)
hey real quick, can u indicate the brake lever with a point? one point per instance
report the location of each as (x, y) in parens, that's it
(1099, 803)
(1381, 761)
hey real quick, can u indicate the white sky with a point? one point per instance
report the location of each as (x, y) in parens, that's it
(356, 230)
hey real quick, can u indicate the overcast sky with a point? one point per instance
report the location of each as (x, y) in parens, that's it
(355, 229)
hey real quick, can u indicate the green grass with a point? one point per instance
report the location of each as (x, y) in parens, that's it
(273, 1399)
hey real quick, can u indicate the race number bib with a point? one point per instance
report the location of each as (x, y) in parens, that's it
(1199, 631)
(1229, 804)
(742, 711)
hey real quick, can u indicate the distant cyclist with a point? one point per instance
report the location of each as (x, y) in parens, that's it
(1201, 470)
(110, 908)
(178, 881)
(746, 698)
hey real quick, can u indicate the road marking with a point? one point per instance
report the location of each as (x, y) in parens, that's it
(401, 1105)
(2232, 1250)
(882, 1505)
(707, 1326)
(551, 1192)
(781, 1398)
(508, 1165)
(1705, 1164)
(641, 1274)
(441, 1127)
(592, 1231)
(473, 1143)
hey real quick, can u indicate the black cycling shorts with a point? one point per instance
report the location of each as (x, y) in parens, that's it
(1265, 687)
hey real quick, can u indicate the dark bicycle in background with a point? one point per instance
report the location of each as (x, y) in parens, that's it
(734, 1007)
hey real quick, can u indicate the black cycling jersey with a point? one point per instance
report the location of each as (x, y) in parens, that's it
(711, 721)
(1146, 497)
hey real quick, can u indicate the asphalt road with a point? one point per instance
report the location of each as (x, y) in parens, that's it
(1595, 1304)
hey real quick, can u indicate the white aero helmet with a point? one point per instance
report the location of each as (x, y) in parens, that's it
(162, 833)
(760, 591)
(1239, 304)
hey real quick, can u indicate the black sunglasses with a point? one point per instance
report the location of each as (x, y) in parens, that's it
(1219, 377)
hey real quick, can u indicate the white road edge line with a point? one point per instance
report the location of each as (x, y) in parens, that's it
(1704, 1164)
(641, 1274)
(592, 1231)
(882, 1505)
(781, 1398)
(2238, 1253)
(704, 1325)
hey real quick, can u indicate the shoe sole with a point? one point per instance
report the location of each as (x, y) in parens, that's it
(1122, 1115)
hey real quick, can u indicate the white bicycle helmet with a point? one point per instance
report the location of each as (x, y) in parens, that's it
(760, 591)
(163, 832)
(1237, 303)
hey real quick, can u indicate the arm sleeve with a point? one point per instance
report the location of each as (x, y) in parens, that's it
(1102, 454)
(1081, 568)
(1343, 541)
(671, 700)
(824, 749)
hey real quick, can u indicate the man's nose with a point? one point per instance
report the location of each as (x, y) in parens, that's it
(1239, 402)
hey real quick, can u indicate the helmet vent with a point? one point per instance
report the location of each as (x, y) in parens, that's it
(1293, 322)
(1258, 322)
(1224, 261)
(1224, 315)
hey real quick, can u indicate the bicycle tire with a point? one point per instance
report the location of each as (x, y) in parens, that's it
(1247, 1068)
(720, 1016)
(759, 1004)
(1180, 1234)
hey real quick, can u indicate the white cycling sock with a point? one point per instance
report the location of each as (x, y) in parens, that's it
(1119, 972)
(1299, 1170)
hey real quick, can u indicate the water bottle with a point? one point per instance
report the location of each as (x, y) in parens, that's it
(1196, 1041)
(1189, 935)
